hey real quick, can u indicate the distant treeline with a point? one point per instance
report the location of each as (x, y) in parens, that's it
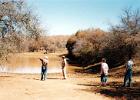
(121, 42)
(50, 44)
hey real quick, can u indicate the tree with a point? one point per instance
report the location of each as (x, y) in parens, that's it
(85, 46)
(130, 26)
(17, 23)
(129, 22)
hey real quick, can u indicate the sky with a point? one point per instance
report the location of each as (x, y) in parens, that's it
(66, 17)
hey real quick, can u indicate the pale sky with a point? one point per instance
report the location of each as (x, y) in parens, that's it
(65, 17)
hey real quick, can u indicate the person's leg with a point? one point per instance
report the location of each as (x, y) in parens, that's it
(65, 74)
(102, 76)
(130, 79)
(125, 79)
(105, 80)
(41, 75)
(45, 75)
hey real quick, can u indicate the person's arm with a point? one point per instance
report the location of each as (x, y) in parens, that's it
(40, 59)
(126, 66)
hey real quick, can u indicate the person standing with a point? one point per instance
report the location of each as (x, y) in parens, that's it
(64, 62)
(104, 72)
(44, 66)
(128, 73)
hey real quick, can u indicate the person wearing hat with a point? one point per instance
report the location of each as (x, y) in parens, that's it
(44, 66)
(64, 62)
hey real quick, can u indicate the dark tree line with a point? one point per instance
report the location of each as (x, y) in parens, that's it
(121, 42)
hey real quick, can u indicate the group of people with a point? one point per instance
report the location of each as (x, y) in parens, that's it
(44, 67)
(103, 72)
(127, 77)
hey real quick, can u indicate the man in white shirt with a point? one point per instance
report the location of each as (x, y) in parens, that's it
(128, 74)
(104, 72)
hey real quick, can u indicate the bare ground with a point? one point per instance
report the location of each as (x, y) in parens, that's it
(29, 87)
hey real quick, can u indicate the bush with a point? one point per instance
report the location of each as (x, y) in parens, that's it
(96, 44)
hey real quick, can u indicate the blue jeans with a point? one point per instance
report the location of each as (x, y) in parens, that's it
(128, 78)
(43, 74)
(103, 78)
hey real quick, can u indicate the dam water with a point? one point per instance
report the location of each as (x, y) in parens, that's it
(28, 69)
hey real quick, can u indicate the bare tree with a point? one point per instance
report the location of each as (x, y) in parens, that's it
(17, 23)
(129, 23)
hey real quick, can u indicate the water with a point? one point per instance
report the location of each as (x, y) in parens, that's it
(31, 70)
(30, 63)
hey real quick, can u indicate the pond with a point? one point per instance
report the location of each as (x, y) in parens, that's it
(28, 69)
(30, 63)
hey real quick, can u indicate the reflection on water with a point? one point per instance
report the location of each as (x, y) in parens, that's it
(30, 63)
(28, 70)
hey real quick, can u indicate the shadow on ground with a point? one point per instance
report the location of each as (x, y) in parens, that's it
(3, 77)
(115, 90)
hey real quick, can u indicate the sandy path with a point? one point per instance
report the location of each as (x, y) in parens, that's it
(29, 87)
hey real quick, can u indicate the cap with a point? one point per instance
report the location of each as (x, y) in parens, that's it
(46, 57)
(63, 56)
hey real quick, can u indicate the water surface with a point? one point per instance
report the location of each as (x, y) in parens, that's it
(28, 69)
